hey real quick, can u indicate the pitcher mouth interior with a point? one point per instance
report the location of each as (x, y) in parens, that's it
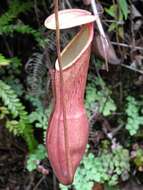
(75, 48)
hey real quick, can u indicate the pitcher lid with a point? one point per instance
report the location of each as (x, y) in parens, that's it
(69, 18)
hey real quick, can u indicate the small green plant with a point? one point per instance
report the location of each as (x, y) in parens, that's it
(35, 157)
(138, 158)
(4, 61)
(134, 115)
(39, 118)
(123, 6)
(107, 167)
(119, 12)
(40, 115)
(10, 74)
(99, 95)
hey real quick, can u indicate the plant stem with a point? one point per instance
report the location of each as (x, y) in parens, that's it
(67, 152)
(30, 140)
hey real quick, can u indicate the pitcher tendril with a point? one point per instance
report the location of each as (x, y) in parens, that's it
(62, 88)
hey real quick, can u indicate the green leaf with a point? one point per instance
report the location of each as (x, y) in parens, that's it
(135, 117)
(124, 8)
(19, 124)
(4, 61)
(112, 11)
(112, 27)
(34, 158)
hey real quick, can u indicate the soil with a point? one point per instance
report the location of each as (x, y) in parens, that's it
(13, 174)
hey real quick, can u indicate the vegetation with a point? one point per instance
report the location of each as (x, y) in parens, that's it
(113, 99)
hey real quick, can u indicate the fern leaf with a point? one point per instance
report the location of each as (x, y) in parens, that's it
(35, 69)
(21, 126)
(23, 29)
(16, 7)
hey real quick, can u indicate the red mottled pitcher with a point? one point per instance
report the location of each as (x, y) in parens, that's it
(65, 158)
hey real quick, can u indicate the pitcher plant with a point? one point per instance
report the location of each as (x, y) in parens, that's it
(66, 149)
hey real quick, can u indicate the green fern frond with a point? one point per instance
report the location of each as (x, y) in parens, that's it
(23, 29)
(10, 99)
(8, 26)
(3, 112)
(20, 125)
(16, 7)
(36, 70)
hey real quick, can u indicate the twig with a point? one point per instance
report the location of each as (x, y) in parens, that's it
(94, 8)
(68, 4)
(36, 12)
(54, 182)
(114, 131)
(45, 7)
(114, 21)
(132, 28)
(8, 47)
(63, 5)
(39, 182)
(132, 68)
(127, 46)
(28, 187)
